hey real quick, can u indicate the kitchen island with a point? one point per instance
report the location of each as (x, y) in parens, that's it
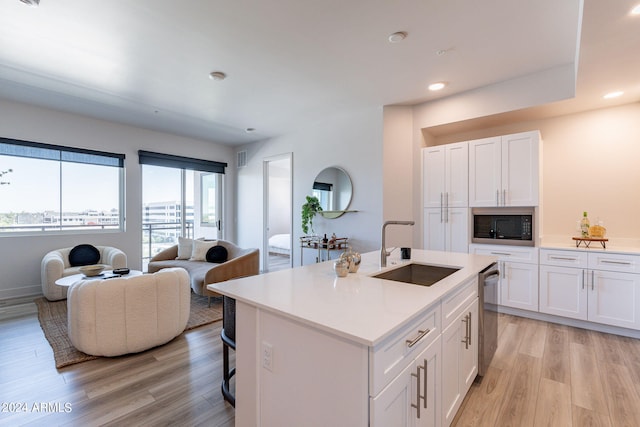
(315, 349)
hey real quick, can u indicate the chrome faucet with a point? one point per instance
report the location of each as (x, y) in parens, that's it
(383, 251)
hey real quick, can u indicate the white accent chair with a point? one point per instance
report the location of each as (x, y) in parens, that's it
(125, 315)
(55, 265)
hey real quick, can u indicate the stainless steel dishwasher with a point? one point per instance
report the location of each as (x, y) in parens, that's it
(487, 316)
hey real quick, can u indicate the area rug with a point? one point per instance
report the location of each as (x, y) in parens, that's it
(53, 321)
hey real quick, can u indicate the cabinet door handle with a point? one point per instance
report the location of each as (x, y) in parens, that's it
(418, 397)
(421, 334)
(592, 280)
(497, 197)
(426, 380)
(441, 207)
(446, 206)
(466, 332)
(583, 272)
(469, 324)
(504, 197)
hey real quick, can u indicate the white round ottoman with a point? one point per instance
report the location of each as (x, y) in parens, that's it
(128, 314)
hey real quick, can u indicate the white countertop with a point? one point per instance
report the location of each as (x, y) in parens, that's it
(357, 307)
(612, 247)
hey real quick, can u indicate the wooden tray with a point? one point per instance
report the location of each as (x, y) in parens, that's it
(587, 241)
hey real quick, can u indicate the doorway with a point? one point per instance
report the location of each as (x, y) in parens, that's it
(278, 224)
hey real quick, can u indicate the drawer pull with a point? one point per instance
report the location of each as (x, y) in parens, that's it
(501, 253)
(562, 258)
(609, 261)
(421, 334)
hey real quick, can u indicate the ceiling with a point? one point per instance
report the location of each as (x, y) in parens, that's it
(290, 63)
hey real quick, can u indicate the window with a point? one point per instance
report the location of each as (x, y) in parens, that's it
(171, 186)
(48, 188)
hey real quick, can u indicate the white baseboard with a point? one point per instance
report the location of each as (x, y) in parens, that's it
(625, 332)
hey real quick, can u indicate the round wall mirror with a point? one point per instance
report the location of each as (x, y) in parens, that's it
(333, 189)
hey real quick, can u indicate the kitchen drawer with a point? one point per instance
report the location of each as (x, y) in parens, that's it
(614, 262)
(388, 359)
(506, 253)
(561, 258)
(455, 304)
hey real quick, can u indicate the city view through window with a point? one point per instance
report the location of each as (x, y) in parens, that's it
(38, 195)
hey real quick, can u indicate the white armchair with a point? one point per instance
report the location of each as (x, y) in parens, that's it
(56, 265)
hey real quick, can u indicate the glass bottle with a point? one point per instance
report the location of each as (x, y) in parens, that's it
(584, 225)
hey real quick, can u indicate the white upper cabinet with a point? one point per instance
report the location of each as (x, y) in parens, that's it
(504, 170)
(445, 175)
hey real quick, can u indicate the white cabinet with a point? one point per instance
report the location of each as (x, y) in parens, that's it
(459, 360)
(563, 287)
(459, 347)
(445, 175)
(518, 266)
(599, 287)
(445, 181)
(446, 229)
(504, 170)
(413, 397)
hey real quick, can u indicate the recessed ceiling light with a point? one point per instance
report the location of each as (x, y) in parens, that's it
(636, 10)
(33, 3)
(613, 94)
(217, 75)
(397, 37)
(437, 86)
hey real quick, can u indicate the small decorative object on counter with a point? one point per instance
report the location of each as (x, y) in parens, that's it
(353, 260)
(341, 267)
(584, 225)
(597, 231)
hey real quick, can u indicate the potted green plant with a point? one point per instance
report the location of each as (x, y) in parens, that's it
(309, 210)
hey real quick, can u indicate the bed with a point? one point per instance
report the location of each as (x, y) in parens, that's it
(280, 244)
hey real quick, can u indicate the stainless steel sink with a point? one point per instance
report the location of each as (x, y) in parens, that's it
(417, 274)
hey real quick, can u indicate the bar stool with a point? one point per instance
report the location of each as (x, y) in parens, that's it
(228, 335)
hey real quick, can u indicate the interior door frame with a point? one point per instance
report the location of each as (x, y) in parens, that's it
(265, 209)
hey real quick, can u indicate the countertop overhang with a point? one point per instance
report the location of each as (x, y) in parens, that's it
(358, 307)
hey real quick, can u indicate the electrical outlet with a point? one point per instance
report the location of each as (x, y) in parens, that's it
(267, 356)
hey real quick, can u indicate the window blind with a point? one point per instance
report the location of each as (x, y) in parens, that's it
(179, 162)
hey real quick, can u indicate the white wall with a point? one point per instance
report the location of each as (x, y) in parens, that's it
(20, 256)
(352, 141)
(401, 184)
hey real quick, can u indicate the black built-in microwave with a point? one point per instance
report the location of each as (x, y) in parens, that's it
(504, 226)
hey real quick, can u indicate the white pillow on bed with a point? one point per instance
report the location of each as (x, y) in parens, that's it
(200, 248)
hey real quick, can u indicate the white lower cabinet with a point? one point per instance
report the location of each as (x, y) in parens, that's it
(518, 274)
(598, 287)
(459, 360)
(413, 397)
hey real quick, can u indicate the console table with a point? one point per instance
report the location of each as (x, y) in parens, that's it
(324, 249)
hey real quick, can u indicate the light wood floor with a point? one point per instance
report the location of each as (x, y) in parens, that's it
(175, 384)
(545, 374)
(542, 375)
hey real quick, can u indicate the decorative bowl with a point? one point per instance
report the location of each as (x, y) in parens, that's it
(91, 270)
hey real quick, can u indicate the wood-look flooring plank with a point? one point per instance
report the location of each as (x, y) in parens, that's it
(520, 398)
(556, 364)
(554, 404)
(622, 399)
(586, 387)
(535, 333)
(482, 405)
(586, 418)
